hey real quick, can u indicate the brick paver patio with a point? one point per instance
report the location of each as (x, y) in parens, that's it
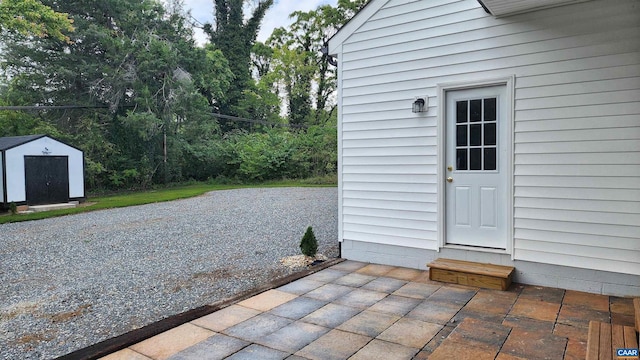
(355, 310)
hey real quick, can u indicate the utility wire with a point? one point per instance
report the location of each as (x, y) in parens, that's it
(57, 107)
(218, 115)
(255, 121)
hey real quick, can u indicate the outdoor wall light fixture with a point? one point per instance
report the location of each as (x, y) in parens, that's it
(420, 104)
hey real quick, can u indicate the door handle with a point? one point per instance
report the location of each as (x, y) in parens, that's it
(450, 179)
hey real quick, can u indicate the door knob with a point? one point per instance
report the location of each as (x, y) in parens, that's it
(449, 179)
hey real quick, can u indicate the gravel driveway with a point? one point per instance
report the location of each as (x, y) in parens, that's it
(70, 282)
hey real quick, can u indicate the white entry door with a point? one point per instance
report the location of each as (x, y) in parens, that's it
(477, 167)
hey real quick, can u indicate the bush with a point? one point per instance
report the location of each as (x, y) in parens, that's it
(309, 244)
(13, 208)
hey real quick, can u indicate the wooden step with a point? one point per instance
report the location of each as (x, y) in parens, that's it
(604, 340)
(488, 276)
(636, 306)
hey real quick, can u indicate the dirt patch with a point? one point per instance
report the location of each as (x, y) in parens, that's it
(300, 261)
(66, 316)
(19, 309)
(33, 338)
(213, 275)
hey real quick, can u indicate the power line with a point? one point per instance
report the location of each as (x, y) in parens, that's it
(196, 21)
(255, 121)
(71, 107)
(56, 107)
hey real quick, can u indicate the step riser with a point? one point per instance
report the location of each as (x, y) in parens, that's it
(488, 276)
(462, 278)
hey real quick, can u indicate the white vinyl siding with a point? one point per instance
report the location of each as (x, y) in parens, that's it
(576, 124)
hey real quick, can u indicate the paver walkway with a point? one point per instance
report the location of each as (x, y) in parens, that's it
(354, 310)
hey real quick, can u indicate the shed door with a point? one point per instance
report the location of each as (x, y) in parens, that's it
(47, 179)
(476, 172)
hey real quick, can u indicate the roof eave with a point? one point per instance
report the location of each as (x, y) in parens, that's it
(503, 8)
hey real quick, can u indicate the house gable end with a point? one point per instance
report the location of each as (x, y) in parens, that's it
(354, 24)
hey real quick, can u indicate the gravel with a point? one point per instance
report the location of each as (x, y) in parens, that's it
(70, 282)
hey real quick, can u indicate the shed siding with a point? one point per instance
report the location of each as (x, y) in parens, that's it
(1, 178)
(576, 124)
(16, 191)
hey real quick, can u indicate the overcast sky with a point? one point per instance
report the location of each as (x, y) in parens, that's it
(277, 15)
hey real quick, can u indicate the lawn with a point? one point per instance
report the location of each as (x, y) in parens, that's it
(147, 197)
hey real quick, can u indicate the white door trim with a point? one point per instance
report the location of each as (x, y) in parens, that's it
(441, 145)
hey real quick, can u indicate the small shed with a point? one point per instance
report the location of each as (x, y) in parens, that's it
(493, 131)
(37, 170)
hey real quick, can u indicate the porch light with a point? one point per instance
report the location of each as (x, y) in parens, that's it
(420, 104)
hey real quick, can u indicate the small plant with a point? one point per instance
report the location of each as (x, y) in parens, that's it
(309, 244)
(13, 208)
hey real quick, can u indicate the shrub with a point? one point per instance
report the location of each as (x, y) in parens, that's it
(309, 244)
(13, 208)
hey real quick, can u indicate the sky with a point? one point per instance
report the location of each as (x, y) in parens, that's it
(276, 16)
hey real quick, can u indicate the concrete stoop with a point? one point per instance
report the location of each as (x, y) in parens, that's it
(48, 207)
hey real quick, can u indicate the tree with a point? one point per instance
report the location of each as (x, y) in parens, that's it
(261, 56)
(30, 17)
(148, 92)
(309, 244)
(137, 60)
(235, 37)
(303, 70)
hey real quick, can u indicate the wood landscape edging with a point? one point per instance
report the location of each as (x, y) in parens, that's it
(125, 340)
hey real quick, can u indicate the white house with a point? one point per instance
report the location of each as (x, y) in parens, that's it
(526, 152)
(37, 169)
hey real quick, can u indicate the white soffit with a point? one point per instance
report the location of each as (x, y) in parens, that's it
(500, 8)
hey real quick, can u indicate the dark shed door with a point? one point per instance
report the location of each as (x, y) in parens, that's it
(47, 179)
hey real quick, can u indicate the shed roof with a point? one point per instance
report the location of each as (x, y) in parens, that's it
(13, 141)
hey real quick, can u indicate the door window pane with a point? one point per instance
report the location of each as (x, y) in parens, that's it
(461, 135)
(476, 135)
(461, 159)
(490, 134)
(461, 111)
(490, 158)
(476, 110)
(475, 159)
(490, 109)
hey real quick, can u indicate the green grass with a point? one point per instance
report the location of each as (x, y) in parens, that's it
(153, 196)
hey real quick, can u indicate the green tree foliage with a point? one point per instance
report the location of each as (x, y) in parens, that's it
(309, 244)
(270, 154)
(301, 69)
(156, 91)
(31, 17)
(140, 62)
(235, 37)
(261, 56)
